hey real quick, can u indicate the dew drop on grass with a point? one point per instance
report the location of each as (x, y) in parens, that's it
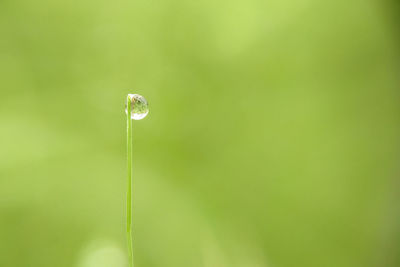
(139, 106)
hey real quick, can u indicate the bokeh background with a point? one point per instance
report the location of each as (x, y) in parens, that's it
(272, 138)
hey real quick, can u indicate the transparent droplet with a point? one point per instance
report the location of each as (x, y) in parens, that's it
(139, 106)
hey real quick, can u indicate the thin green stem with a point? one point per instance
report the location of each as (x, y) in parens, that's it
(129, 182)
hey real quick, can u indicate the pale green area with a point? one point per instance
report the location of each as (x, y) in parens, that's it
(272, 138)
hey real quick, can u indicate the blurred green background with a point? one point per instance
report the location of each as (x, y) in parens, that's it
(272, 138)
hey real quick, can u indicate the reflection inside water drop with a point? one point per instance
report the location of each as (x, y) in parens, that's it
(139, 106)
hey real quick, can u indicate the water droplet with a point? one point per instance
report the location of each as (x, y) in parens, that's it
(139, 106)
